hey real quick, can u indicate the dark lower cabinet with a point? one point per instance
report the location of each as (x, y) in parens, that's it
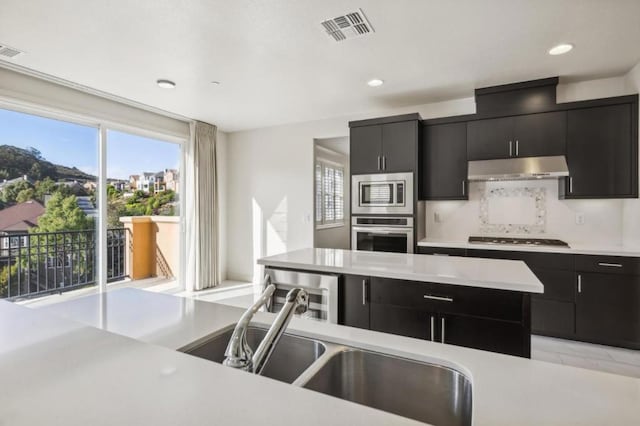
(403, 321)
(553, 318)
(608, 309)
(354, 301)
(504, 337)
(487, 319)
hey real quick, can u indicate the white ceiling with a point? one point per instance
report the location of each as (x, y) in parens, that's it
(277, 65)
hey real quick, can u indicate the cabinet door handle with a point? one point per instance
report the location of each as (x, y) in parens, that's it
(441, 298)
(433, 328)
(379, 163)
(364, 292)
(510, 149)
(570, 184)
(384, 162)
(579, 283)
(610, 265)
(442, 330)
(463, 187)
(517, 148)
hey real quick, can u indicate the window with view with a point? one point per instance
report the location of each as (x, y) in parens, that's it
(49, 207)
(329, 181)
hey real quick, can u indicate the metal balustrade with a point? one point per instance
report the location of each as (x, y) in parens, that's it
(53, 262)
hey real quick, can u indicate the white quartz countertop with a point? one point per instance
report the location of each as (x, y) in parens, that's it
(602, 250)
(61, 372)
(472, 272)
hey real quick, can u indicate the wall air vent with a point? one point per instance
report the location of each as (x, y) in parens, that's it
(9, 52)
(351, 25)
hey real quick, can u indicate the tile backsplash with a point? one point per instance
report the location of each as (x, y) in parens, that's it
(524, 208)
(512, 210)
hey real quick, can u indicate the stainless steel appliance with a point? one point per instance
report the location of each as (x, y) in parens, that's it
(518, 241)
(521, 168)
(382, 233)
(322, 291)
(387, 193)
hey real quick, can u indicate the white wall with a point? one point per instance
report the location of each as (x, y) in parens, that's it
(270, 181)
(270, 187)
(336, 236)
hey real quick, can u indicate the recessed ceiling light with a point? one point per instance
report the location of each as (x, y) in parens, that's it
(375, 82)
(166, 84)
(560, 49)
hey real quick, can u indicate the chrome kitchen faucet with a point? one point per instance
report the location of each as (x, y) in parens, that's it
(239, 354)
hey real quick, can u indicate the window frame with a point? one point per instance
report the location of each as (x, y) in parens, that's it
(325, 163)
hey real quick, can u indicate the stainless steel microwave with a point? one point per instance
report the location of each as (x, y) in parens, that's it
(389, 193)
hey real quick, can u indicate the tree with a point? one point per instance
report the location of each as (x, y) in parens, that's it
(63, 214)
(45, 187)
(35, 153)
(11, 191)
(26, 195)
(35, 172)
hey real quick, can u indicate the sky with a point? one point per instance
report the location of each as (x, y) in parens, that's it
(74, 145)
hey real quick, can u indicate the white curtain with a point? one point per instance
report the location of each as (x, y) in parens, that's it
(201, 216)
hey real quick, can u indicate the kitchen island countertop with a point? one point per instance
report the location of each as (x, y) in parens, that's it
(499, 274)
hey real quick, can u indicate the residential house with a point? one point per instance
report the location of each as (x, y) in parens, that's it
(171, 180)
(17, 220)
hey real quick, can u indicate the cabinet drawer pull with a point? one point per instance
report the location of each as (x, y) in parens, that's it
(510, 149)
(433, 328)
(384, 162)
(364, 292)
(570, 184)
(517, 148)
(579, 283)
(441, 298)
(463, 187)
(442, 330)
(379, 163)
(610, 265)
(440, 254)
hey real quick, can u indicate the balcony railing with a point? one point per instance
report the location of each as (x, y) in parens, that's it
(54, 262)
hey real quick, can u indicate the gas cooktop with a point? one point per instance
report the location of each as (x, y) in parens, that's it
(518, 241)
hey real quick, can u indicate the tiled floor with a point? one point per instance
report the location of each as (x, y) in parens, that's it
(625, 362)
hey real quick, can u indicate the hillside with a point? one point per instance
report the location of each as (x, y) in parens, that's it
(16, 162)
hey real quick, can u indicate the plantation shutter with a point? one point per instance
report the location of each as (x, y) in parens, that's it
(329, 186)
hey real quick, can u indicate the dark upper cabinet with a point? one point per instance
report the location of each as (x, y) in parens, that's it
(540, 135)
(399, 146)
(443, 162)
(365, 149)
(602, 152)
(490, 139)
(608, 308)
(531, 135)
(384, 148)
(355, 298)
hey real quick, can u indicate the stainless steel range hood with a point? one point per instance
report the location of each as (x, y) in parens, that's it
(519, 168)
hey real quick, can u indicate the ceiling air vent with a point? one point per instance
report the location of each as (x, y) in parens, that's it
(9, 52)
(348, 26)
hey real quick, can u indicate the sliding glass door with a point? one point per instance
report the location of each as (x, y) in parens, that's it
(54, 235)
(48, 216)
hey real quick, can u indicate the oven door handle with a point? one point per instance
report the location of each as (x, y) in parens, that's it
(375, 230)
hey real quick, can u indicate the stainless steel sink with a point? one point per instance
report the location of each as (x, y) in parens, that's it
(426, 392)
(291, 358)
